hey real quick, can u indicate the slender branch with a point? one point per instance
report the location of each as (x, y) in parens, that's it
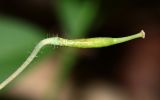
(80, 43)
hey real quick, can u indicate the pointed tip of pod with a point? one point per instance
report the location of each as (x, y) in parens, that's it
(143, 33)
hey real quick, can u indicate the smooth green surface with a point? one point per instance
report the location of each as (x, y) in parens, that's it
(76, 16)
(17, 39)
(98, 42)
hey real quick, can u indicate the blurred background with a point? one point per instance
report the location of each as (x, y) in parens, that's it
(128, 71)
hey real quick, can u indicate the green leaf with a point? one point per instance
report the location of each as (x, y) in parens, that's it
(17, 40)
(77, 17)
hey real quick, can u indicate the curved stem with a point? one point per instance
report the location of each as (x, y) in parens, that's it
(80, 43)
(23, 66)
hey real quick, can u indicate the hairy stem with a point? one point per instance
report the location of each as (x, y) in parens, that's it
(79, 43)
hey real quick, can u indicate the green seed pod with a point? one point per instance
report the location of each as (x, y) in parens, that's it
(95, 42)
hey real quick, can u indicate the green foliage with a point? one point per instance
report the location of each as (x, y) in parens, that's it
(17, 39)
(77, 16)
